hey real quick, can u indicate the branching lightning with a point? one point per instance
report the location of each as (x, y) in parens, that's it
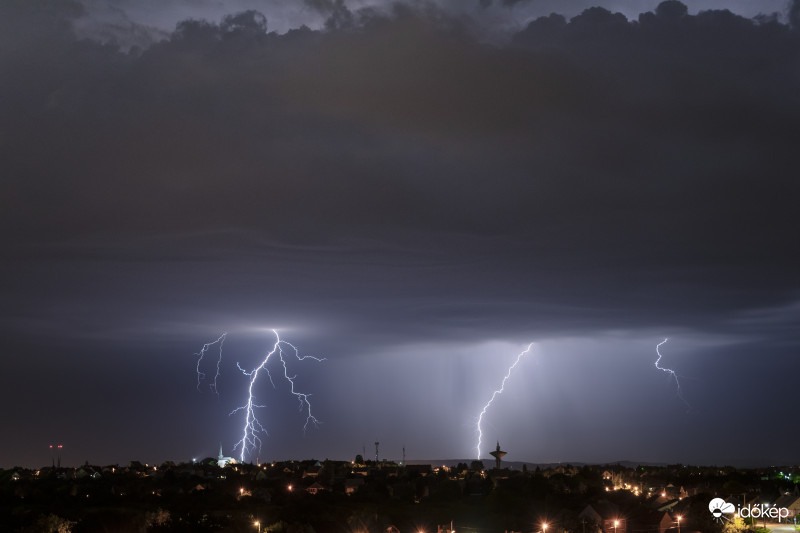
(497, 393)
(672, 373)
(252, 427)
(201, 375)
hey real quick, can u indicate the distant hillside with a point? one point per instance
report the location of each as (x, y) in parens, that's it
(517, 465)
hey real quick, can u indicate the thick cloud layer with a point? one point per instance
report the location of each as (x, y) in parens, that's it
(391, 179)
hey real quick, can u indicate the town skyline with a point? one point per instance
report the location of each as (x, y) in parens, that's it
(389, 497)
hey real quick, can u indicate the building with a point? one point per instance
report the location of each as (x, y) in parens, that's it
(498, 455)
(606, 516)
(222, 461)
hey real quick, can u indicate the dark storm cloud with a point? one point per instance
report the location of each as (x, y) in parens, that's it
(655, 152)
(392, 178)
(105, 22)
(794, 14)
(337, 14)
(504, 3)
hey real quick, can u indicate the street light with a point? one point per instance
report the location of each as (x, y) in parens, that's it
(544, 527)
(258, 525)
(679, 523)
(616, 523)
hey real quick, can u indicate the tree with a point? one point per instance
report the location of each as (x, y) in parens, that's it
(736, 525)
(159, 517)
(53, 523)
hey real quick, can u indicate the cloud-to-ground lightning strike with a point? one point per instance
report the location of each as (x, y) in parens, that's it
(252, 427)
(671, 372)
(201, 375)
(496, 393)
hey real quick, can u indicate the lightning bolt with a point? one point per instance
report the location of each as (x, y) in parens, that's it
(201, 375)
(497, 393)
(252, 427)
(670, 372)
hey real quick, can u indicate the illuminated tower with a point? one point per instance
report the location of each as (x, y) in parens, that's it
(222, 460)
(498, 455)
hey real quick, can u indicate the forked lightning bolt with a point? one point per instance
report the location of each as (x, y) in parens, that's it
(201, 375)
(497, 393)
(671, 372)
(252, 427)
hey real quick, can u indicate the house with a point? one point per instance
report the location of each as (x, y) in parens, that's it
(791, 501)
(315, 488)
(667, 522)
(643, 519)
(606, 515)
(312, 471)
(419, 470)
(352, 485)
(666, 506)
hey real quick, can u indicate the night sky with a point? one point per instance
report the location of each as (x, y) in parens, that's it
(414, 191)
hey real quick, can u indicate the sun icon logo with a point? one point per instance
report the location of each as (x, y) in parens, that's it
(719, 508)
